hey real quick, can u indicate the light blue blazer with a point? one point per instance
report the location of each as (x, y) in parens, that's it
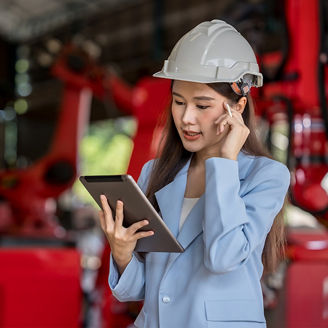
(216, 281)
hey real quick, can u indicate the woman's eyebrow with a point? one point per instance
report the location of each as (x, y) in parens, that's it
(176, 94)
(203, 98)
(196, 98)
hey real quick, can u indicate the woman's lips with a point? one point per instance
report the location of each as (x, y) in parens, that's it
(191, 135)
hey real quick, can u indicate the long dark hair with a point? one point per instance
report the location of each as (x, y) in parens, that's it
(172, 156)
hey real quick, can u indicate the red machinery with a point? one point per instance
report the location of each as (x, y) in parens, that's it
(301, 96)
(146, 101)
(43, 285)
(29, 194)
(40, 287)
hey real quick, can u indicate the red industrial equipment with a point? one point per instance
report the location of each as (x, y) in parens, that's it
(40, 287)
(57, 170)
(300, 95)
(147, 102)
(29, 194)
(307, 280)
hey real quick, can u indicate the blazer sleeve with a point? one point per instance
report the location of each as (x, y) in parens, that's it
(130, 286)
(235, 225)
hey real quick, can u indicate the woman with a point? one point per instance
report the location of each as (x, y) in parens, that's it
(215, 189)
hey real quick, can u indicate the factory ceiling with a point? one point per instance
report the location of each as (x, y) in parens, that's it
(22, 20)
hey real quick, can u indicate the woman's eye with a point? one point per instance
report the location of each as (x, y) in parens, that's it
(179, 103)
(202, 107)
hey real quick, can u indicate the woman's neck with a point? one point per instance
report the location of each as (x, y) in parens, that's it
(199, 158)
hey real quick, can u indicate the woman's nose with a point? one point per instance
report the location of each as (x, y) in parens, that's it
(188, 116)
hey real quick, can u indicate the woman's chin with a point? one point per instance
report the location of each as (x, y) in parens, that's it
(191, 148)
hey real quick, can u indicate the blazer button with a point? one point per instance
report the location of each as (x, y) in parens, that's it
(166, 299)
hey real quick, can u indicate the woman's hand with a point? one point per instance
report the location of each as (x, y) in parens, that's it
(122, 240)
(234, 132)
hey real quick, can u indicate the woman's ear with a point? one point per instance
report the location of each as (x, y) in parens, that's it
(240, 105)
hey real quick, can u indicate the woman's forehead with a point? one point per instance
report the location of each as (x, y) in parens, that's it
(194, 89)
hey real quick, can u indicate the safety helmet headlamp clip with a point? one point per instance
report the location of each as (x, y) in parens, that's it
(243, 86)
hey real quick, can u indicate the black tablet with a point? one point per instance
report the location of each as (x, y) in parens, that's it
(137, 207)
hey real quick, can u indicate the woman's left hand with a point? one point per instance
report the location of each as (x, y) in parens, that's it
(234, 131)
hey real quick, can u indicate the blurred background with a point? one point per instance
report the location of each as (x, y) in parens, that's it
(77, 98)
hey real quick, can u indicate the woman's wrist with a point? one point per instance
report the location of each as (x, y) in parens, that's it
(234, 158)
(122, 262)
(227, 155)
(222, 156)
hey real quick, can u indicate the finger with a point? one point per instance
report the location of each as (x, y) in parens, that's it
(107, 210)
(143, 234)
(102, 220)
(119, 214)
(136, 226)
(221, 118)
(237, 115)
(227, 121)
(232, 112)
(106, 226)
(105, 205)
(221, 122)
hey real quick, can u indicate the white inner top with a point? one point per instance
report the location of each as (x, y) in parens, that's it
(188, 204)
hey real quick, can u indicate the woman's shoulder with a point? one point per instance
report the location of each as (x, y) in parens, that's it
(263, 167)
(147, 167)
(145, 174)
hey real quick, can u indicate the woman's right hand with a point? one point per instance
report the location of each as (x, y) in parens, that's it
(122, 240)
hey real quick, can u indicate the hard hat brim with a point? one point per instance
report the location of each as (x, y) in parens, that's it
(202, 79)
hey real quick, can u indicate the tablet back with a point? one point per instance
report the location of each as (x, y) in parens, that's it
(136, 208)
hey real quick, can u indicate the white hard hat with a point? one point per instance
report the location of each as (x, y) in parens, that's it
(213, 52)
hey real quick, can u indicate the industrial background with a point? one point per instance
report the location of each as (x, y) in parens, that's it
(77, 98)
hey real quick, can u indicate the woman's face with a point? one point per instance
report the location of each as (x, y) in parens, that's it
(195, 107)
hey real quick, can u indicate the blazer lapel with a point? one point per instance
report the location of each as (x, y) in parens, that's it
(170, 199)
(192, 227)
